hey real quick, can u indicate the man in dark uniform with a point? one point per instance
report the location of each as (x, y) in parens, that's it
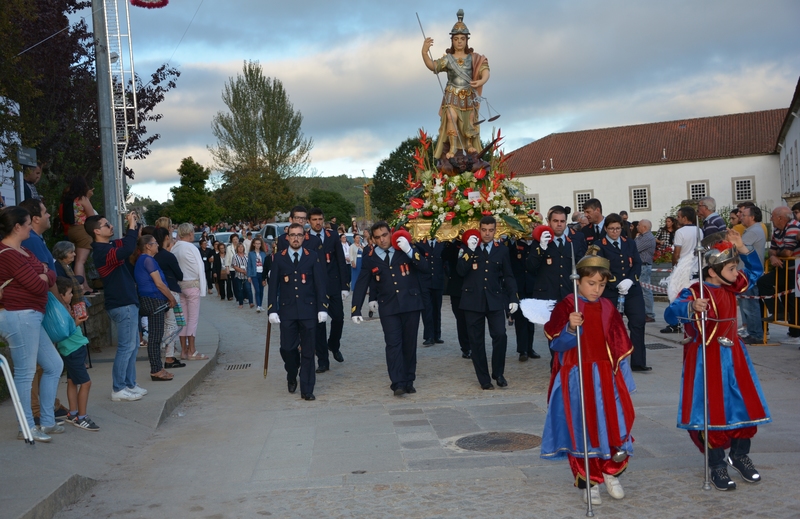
(489, 290)
(393, 280)
(550, 258)
(337, 287)
(450, 255)
(298, 302)
(297, 214)
(432, 284)
(525, 329)
(626, 265)
(593, 232)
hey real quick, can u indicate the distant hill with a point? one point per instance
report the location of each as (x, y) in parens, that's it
(350, 188)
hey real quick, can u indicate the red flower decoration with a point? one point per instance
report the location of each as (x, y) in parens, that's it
(449, 216)
(515, 201)
(480, 174)
(427, 213)
(417, 203)
(486, 213)
(413, 215)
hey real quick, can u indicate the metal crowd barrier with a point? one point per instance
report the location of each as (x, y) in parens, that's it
(12, 389)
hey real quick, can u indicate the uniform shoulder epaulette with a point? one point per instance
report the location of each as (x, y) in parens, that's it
(605, 242)
(623, 238)
(284, 251)
(305, 252)
(371, 250)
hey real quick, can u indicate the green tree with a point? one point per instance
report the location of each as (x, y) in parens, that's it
(192, 202)
(390, 176)
(332, 204)
(252, 194)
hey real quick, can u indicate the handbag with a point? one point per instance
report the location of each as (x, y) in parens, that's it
(57, 322)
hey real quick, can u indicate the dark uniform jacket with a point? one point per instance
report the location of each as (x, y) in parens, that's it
(297, 291)
(450, 259)
(434, 277)
(625, 263)
(518, 251)
(590, 235)
(551, 268)
(489, 283)
(310, 242)
(395, 287)
(331, 255)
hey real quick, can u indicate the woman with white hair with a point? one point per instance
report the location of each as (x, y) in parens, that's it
(193, 287)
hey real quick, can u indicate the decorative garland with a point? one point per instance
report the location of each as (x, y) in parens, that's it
(149, 4)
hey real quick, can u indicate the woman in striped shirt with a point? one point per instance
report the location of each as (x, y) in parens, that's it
(239, 265)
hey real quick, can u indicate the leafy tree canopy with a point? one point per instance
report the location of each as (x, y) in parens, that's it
(192, 202)
(333, 205)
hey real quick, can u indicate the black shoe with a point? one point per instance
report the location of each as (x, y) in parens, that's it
(308, 397)
(752, 340)
(292, 386)
(400, 391)
(648, 319)
(640, 368)
(721, 480)
(337, 356)
(175, 364)
(523, 357)
(438, 341)
(487, 386)
(534, 355)
(466, 355)
(410, 389)
(370, 314)
(322, 370)
(427, 342)
(744, 466)
(501, 381)
(671, 329)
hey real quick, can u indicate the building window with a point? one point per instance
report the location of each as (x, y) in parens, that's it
(533, 201)
(744, 189)
(581, 197)
(697, 189)
(639, 198)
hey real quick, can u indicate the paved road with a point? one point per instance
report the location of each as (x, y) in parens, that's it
(242, 446)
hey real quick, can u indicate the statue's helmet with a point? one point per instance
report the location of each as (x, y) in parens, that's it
(459, 27)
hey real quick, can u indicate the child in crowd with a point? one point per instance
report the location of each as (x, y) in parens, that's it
(73, 351)
(608, 382)
(736, 404)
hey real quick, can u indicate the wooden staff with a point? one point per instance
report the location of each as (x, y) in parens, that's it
(266, 348)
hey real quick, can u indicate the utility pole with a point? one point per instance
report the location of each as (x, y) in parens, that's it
(105, 116)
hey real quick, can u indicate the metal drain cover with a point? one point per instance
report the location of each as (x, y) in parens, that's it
(499, 441)
(658, 346)
(231, 367)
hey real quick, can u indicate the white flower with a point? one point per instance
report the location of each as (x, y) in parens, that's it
(470, 212)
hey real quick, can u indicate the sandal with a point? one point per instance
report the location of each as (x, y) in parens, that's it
(161, 376)
(196, 356)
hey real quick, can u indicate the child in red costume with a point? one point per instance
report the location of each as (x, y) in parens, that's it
(605, 347)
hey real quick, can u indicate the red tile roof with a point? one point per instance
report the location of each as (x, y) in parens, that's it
(722, 136)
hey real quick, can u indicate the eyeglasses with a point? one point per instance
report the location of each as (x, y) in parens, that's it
(106, 225)
(295, 235)
(613, 229)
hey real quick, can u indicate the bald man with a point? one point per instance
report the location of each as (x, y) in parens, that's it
(646, 245)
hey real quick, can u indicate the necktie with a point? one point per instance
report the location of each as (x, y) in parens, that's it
(296, 258)
(386, 258)
(616, 245)
(321, 236)
(560, 242)
(597, 229)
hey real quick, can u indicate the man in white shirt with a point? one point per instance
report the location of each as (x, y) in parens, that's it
(684, 261)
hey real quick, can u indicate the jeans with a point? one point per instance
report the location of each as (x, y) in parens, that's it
(258, 288)
(242, 289)
(123, 373)
(644, 277)
(30, 345)
(751, 314)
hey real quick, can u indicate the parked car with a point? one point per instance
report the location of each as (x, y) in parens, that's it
(224, 237)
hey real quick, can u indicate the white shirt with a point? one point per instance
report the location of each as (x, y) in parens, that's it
(191, 263)
(686, 239)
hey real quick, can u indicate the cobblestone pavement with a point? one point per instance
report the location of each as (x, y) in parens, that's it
(241, 446)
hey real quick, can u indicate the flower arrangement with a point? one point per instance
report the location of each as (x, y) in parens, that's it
(452, 199)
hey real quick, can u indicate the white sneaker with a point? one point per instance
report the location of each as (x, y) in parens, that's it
(595, 495)
(791, 340)
(259, 309)
(138, 390)
(126, 395)
(613, 486)
(742, 332)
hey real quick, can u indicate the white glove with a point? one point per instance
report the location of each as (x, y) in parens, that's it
(472, 243)
(373, 306)
(403, 244)
(357, 319)
(512, 308)
(624, 286)
(545, 239)
(274, 319)
(345, 293)
(322, 317)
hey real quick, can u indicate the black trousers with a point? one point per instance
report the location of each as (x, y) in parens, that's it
(634, 311)
(332, 343)
(153, 309)
(432, 314)
(461, 323)
(476, 328)
(525, 331)
(400, 334)
(232, 276)
(302, 332)
(225, 288)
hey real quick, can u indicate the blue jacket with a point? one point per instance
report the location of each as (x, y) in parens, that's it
(251, 264)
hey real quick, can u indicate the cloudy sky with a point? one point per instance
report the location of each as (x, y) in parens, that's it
(354, 68)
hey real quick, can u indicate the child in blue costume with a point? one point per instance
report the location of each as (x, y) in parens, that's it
(736, 404)
(605, 347)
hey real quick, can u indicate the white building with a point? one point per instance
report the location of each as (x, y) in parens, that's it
(648, 169)
(788, 147)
